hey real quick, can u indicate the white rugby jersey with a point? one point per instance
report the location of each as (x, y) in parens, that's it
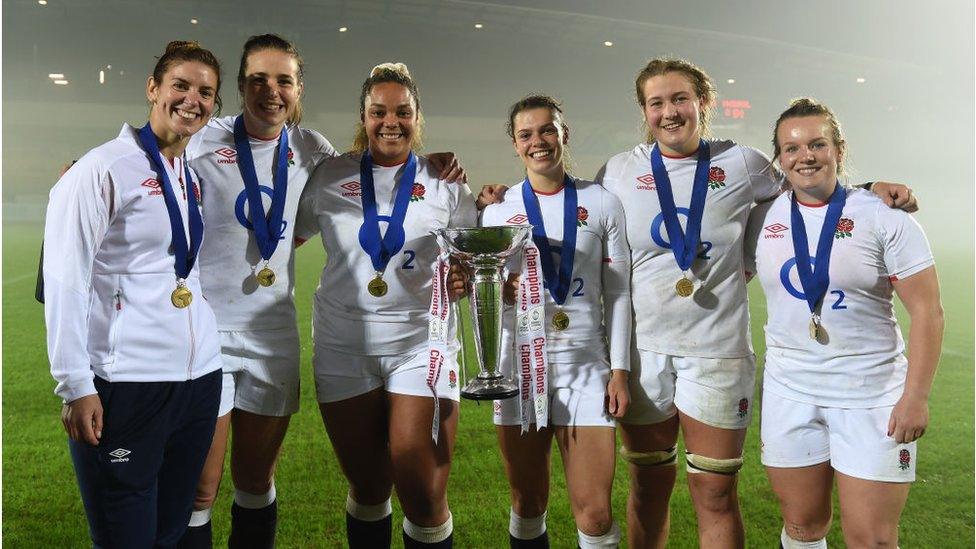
(714, 322)
(863, 364)
(230, 257)
(346, 317)
(598, 302)
(109, 272)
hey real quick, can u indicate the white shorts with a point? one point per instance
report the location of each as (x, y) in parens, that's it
(854, 440)
(340, 375)
(577, 397)
(714, 391)
(261, 371)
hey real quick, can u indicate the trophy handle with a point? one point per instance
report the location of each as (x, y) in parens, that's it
(456, 311)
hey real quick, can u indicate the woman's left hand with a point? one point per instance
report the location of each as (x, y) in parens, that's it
(448, 167)
(896, 195)
(618, 393)
(457, 281)
(908, 419)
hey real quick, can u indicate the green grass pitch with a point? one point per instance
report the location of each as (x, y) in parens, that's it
(42, 508)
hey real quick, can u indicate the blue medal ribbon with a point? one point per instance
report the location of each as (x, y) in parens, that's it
(558, 283)
(816, 281)
(267, 228)
(380, 250)
(684, 244)
(186, 255)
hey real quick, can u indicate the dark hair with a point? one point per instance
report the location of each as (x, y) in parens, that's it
(262, 42)
(179, 51)
(808, 106)
(704, 88)
(382, 73)
(537, 101)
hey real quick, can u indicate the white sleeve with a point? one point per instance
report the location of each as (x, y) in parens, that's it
(322, 147)
(906, 250)
(78, 215)
(306, 219)
(464, 212)
(764, 178)
(757, 218)
(617, 308)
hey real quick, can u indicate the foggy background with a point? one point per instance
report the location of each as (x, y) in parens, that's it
(899, 75)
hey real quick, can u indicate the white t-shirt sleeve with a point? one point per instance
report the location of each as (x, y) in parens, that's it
(757, 218)
(766, 180)
(617, 307)
(79, 211)
(906, 249)
(306, 219)
(323, 149)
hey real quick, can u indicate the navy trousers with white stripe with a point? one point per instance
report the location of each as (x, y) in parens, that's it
(139, 483)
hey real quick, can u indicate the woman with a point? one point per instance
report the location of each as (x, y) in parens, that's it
(587, 304)
(132, 343)
(254, 167)
(375, 208)
(841, 402)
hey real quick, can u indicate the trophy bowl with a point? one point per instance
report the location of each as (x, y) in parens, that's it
(484, 251)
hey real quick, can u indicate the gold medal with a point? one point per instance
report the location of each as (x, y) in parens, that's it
(560, 320)
(181, 297)
(377, 287)
(684, 287)
(817, 331)
(266, 276)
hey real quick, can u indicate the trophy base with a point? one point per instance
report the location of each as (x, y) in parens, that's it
(489, 389)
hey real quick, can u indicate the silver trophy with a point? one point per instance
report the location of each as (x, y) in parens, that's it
(484, 251)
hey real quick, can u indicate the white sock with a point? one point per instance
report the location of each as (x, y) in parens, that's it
(199, 518)
(526, 528)
(368, 513)
(254, 501)
(429, 534)
(610, 539)
(790, 543)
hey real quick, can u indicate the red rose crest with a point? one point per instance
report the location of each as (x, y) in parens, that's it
(743, 407)
(716, 178)
(904, 459)
(581, 216)
(417, 193)
(291, 157)
(452, 379)
(845, 228)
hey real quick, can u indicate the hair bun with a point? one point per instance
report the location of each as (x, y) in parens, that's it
(398, 68)
(176, 45)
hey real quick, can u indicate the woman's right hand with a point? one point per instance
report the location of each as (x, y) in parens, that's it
(491, 194)
(82, 419)
(510, 289)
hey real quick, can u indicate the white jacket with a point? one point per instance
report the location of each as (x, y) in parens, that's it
(109, 272)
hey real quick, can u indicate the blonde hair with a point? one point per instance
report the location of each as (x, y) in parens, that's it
(808, 106)
(704, 88)
(398, 74)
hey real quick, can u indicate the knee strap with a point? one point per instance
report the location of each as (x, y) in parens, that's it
(650, 459)
(701, 464)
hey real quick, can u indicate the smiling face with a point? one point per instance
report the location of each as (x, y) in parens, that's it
(539, 139)
(672, 111)
(183, 100)
(391, 121)
(809, 156)
(272, 89)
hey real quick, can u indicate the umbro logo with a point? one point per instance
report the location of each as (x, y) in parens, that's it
(775, 230)
(646, 182)
(227, 155)
(518, 219)
(351, 188)
(154, 186)
(120, 455)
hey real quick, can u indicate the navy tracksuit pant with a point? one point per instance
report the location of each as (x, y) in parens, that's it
(139, 483)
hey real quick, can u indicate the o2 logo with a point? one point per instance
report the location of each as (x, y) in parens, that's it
(577, 282)
(784, 278)
(240, 209)
(398, 239)
(658, 237)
